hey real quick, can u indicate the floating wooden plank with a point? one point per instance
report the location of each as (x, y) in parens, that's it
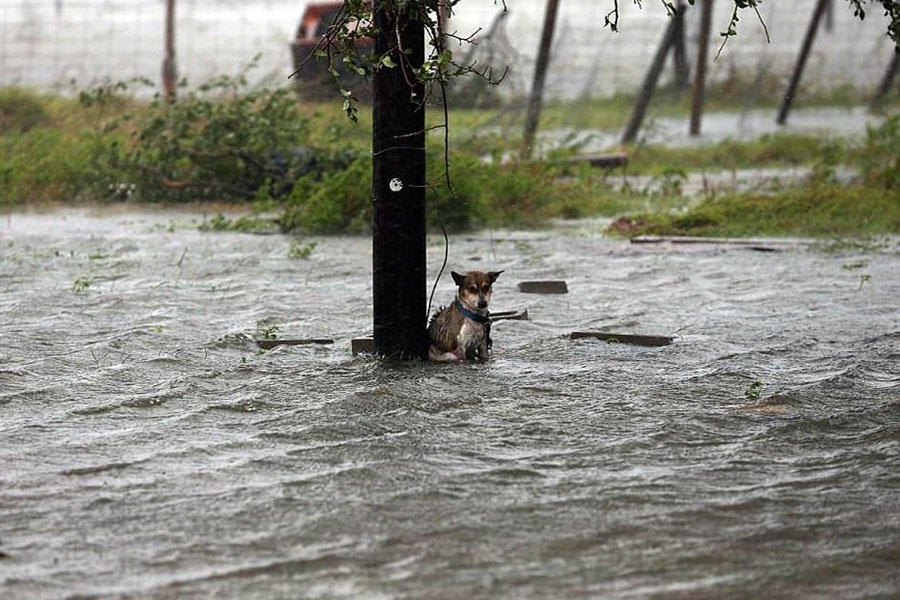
(755, 243)
(269, 344)
(623, 338)
(362, 345)
(605, 161)
(510, 315)
(543, 287)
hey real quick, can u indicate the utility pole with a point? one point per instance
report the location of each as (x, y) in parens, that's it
(398, 188)
(169, 69)
(535, 101)
(699, 91)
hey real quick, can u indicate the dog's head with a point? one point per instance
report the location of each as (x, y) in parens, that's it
(475, 288)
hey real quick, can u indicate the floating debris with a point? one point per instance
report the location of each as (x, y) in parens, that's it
(623, 338)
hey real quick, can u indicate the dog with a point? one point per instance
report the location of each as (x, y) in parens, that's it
(462, 331)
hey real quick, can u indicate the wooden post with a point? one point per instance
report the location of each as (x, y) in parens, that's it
(536, 99)
(885, 86)
(650, 79)
(169, 68)
(699, 91)
(808, 40)
(398, 189)
(679, 53)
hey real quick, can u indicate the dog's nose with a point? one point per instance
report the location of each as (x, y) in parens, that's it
(482, 303)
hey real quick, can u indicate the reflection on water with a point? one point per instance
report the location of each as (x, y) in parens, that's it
(150, 449)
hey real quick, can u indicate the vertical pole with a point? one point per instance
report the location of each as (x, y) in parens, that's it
(679, 53)
(808, 40)
(650, 79)
(169, 68)
(699, 92)
(888, 80)
(540, 75)
(829, 16)
(398, 188)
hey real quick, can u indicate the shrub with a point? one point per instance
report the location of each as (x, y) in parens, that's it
(223, 143)
(880, 157)
(20, 111)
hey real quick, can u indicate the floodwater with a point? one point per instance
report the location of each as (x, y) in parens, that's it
(148, 449)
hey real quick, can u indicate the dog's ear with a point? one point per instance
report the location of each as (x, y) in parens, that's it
(493, 275)
(457, 278)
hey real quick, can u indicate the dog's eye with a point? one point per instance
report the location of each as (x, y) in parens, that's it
(473, 289)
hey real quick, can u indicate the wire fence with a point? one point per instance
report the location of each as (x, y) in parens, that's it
(67, 45)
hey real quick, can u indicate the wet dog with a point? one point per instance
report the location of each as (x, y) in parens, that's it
(462, 331)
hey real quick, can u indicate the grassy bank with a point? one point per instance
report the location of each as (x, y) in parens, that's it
(311, 165)
(806, 211)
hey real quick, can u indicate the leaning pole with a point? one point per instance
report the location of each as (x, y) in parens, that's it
(398, 189)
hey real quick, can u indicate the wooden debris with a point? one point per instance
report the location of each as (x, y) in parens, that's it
(754, 243)
(269, 344)
(605, 161)
(362, 345)
(623, 338)
(543, 287)
(510, 315)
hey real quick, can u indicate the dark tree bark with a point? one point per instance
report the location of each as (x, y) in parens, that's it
(398, 190)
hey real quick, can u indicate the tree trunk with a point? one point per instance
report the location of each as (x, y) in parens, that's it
(536, 99)
(398, 190)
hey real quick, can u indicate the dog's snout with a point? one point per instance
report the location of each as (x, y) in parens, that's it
(482, 303)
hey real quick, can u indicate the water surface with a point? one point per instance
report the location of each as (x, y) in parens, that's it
(150, 450)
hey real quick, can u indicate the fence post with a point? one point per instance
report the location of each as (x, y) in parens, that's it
(699, 92)
(650, 79)
(888, 80)
(808, 40)
(679, 53)
(540, 74)
(169, 68)
(398, 189)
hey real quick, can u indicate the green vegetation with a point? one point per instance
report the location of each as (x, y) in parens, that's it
(81, 284)
(305, 168)
(301, 250)
(809, 210)
(821, 207)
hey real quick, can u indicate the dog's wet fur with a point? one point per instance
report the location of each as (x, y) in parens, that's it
(454, 336)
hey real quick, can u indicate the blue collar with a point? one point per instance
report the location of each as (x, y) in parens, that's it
(472, 315)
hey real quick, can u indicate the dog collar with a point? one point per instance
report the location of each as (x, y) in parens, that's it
(472, 315)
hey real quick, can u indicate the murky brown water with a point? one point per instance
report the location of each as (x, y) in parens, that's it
(149, 450)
